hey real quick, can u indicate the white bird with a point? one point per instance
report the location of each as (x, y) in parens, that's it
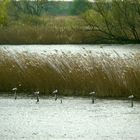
(15, 92)
(14, 89)
(36, 92)
(93, 96)
(55, 91)
(37, 96)
(131, 97)
(92, 93)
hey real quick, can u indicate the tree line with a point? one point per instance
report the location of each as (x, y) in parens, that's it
(110, 21)
(116, 20)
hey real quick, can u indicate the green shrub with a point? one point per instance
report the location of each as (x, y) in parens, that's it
(3, 12)
(80, 6)
(32, 20)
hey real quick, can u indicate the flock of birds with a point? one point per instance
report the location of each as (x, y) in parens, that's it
(55, 93)
(36, 93)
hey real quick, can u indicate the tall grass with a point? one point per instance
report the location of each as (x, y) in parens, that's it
(73, 74)
(46, 30)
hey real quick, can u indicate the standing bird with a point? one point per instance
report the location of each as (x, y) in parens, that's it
(15, 92)
(55, 92)
(131, 97)
(92, 96)
(37, 96)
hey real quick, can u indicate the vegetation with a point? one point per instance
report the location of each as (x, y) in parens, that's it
(29, 22)
(28, 7)
(72, 74)
(4, 12)
(45, 22)
(45, 30)
(80, 6)
(116, 20)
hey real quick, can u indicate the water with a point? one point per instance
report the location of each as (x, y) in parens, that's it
(75, 119)
(122, 50)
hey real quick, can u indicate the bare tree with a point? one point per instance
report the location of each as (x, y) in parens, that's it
(29, 7)
(116, 19)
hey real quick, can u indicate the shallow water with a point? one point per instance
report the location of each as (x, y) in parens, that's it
(59, 49)
(76, 119)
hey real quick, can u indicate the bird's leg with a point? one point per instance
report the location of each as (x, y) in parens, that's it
(15, 95)
(56, 97)
(132, 103)
(37, 98)
(92, 99)
(61, 99)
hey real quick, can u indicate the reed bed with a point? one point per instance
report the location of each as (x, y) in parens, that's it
(73, 74)
(48, 30)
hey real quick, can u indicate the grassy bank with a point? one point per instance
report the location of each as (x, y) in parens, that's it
(51, 30)
(77, 22)
(73, 74)
(46, 30)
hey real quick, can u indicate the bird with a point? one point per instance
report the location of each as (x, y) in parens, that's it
(92, 93)
(14, 89)
(93, 96)
(37, 96)
(131, 97)
(55, 92)
(15, 92)
(36, 92)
